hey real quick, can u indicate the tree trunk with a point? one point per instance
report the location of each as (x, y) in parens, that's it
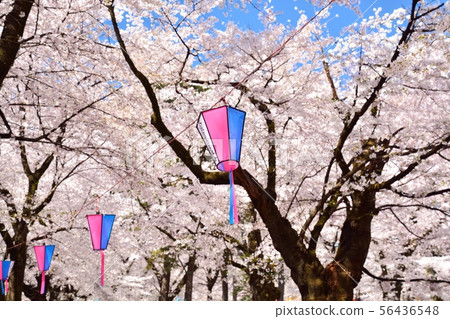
(13, 29)
(224, 277)
(32, 291)
(18, 254)
(306, 269)
(235, 290)
(344, 274)
(211, 281)
(190, 278)
(165, 280)
(339, 278)
(262, 289)
(281, 283)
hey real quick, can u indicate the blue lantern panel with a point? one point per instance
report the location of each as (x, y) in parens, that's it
(236, 119)
(107, 224)
(48, 256)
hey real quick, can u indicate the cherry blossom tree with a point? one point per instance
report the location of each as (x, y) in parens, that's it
(51, 93)
(364, 158)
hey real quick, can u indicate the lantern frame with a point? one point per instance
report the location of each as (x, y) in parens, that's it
(5, 270)
(222, 130)
(223, 138)
(44, 255)
(100, 237)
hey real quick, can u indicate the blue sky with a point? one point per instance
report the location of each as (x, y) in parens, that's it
(288, 11)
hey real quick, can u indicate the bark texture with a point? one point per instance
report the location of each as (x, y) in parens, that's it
(13, 30)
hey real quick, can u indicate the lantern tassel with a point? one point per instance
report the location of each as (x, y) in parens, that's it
(234, 219)
(3, 288)
(43, 283)
(102, 279)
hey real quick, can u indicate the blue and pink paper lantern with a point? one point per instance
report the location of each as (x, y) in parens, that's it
(44, 256)
(5, 271)
(100, 227)
(222, 129)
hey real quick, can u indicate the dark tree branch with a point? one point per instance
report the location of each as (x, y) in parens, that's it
(33, 178)
(165, 232)
(55, 185)
(331, 207)
(367, 272)
(229, 239)
(430, 194)
(425, 89)
(8, 127)
(271, 173)
(13, 29)
(429, 11)
(434, 149)
(6, 237)
(9, 200)
(389, 206)
(58, 230)
(404, 225)
(237, 265)
(326, 67)
(175, 29)
(298, 189)
(45, 138)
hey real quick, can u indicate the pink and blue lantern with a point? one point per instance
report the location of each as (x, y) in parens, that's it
(44, 256)
(222, 129)
(5, 271)
(100, 227)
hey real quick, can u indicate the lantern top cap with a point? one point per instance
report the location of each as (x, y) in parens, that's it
(219, 107)
(98, 213)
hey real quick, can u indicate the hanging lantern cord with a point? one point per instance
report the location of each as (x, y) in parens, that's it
(102, 278)
(234, 219)
(96, 205)
(43, 283)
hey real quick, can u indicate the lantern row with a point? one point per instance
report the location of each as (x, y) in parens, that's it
(100, 227)
(221, 129)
